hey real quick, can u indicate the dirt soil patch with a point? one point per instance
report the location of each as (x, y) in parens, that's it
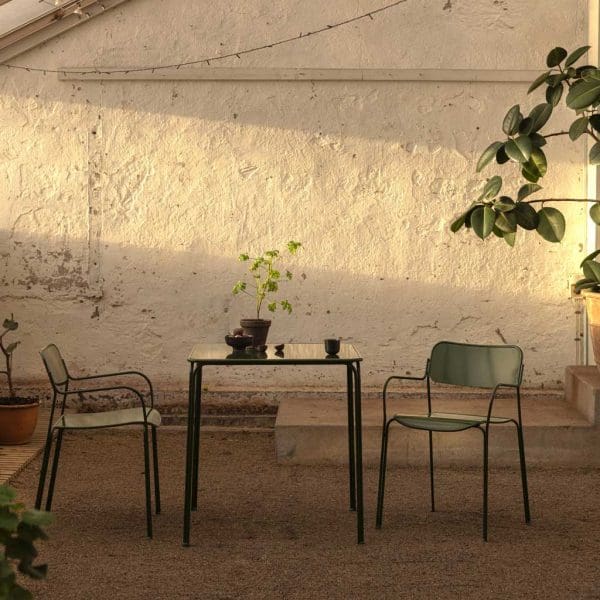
(269, 531)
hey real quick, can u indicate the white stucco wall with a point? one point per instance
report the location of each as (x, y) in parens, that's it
(125, 204)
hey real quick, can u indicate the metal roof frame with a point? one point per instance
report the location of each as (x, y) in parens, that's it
(39, 30)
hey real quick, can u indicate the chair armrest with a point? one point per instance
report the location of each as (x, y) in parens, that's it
(399, 377)
(119, 374)
(493, 397)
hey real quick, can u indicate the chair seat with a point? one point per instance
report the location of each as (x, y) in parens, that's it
(113, 418)
(445, 421)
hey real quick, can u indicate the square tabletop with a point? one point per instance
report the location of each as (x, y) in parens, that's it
(311, 354)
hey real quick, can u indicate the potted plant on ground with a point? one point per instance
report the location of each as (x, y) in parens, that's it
(264, 281)
(503, 215)
(19, 529)
(18, 414)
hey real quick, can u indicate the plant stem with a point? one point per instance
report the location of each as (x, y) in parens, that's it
(558, 200)
(547, 135)
(8, 372)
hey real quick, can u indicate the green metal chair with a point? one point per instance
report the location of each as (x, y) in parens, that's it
(469, 365)
(63, 385)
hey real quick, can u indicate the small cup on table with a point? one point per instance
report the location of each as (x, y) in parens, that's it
(332, 346)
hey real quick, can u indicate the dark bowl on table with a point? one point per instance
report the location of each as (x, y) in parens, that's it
(239, 342)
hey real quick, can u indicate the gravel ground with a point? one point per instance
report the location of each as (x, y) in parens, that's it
(268, 531)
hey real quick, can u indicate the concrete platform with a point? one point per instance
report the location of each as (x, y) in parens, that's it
(559, 429)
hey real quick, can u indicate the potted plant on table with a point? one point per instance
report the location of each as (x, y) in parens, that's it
(18, 414)
(503, 215)
(264, 281)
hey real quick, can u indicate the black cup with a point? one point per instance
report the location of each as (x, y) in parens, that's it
(332, 346)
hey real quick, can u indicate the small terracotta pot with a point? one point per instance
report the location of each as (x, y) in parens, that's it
(592, 308)
(258, 329)
(17, 423)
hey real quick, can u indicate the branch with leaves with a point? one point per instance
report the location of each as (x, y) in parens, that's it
(7, 351)
(265, 278)
(19, 530)
(502, 215)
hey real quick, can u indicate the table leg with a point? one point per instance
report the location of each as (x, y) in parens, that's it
(196, 456)
(189, 447)
(351, 456)
(359, 467)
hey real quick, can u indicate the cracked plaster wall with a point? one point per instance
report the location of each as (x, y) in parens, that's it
(125, 204)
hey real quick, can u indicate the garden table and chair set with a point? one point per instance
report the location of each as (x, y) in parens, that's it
(493, 367)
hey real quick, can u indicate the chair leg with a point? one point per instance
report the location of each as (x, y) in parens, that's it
(485, 483)
(431, 471)
(523, 474)
(382, 468)
(59, 437)
(147, 482)
(155, 463)
(44, 471)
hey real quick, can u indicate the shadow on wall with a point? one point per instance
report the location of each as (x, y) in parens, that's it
(149, 306)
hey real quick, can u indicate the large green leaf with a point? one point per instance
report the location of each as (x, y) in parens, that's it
(583, 94)
(556, 56)
(536, 166)
(578, 128)
(527, 190)
(527, 217)
(576, 55)
(557, 79)
(594, 157)
(591, 256)
(552, 224)
(513, 117)
(501, 156)
(492, 187)
(482, 221)
(506, 222)
(525, 126)
(592, 74)
(519, 149)
(539, 115)
(510, 238)
(591, 269)
(595, 122)
(584, 284)
(538, 81)
(458, 223)
(595, 213)
(504, 204)
(554, 94)
(538, 140)
(488, 154)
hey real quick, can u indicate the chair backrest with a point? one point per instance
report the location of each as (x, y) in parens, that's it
(55, 365)
(473, 365)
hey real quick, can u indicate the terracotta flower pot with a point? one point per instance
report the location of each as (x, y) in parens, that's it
(17, 422)
(258, 329)
(592, 308)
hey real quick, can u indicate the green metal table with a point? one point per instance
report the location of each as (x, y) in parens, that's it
(203, 355)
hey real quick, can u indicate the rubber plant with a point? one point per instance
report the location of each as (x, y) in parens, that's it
(20, 528)
(502, 215)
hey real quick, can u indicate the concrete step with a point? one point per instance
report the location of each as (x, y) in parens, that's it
(557, 431)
